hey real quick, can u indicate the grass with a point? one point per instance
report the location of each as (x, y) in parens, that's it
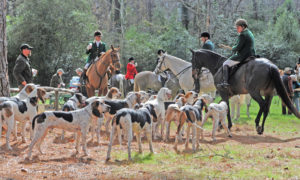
(266, 156)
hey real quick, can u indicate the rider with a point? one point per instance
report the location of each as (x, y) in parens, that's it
(94, 50)
(207, 43)
(131, 70)
(243, 49)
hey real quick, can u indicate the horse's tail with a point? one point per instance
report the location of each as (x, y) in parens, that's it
(281, 91)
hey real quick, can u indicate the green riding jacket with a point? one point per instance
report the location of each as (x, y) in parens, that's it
(244, 47)
(95, 51)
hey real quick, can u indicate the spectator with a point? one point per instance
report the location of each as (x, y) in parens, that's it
(296, 96)
(287, 81)
(56, 80)
(22, 70)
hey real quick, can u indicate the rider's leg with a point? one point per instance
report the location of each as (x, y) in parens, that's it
(228, 63)
(87, 65)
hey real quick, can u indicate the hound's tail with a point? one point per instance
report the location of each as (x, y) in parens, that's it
(39, 118)
(190, 119)
(281, 91)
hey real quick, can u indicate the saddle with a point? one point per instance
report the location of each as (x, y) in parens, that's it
(234, 68)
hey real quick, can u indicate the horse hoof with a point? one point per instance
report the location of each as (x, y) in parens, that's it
(259, 130)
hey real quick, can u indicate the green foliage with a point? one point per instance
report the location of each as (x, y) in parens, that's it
(171, 37)
(58, 31)
(281, 41)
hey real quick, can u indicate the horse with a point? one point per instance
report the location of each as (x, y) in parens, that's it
(146, 80)
(256, 76)
(97, 72)
(183, 71)
(119, 81)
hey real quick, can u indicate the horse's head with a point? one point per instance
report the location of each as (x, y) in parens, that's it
(196, 64)
(161, 66)
(115, 58)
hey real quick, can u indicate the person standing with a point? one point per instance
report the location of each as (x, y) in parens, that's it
(207, 43)
(56, 80)
(296, 96)
(131, 70)
(94, 50)
(81, 85)
(22, 71)
(288, 84)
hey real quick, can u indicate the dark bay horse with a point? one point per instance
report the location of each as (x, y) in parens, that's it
(254, 77)
(97, 72)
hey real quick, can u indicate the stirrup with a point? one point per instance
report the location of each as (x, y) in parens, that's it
(223, 85)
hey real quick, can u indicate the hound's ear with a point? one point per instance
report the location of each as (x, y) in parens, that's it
(192, 51)
(112, 47)
(95, 110)
(204, 105)
(29, 89)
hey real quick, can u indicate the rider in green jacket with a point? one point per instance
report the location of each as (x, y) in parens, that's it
(243, 49)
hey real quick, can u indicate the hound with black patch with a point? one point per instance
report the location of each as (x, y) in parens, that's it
(163, 95)
(116, 105)
(24, 93)
(133, 121)
(73, 103)
(75, 121)
(16, 110)
(218, 113)
(192, 115)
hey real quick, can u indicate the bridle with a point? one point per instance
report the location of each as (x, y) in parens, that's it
(162, 62)
(114, 61)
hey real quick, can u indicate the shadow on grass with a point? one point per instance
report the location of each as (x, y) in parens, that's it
(137, 158)
(71, 159)
(250, 139)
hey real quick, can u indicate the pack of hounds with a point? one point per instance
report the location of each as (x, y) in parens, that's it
(139, 113)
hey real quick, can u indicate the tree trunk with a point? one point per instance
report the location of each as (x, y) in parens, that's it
(117, 21)
(255, 9)
(4, 82)
(184, 15)
(207, 23)
(150, 6)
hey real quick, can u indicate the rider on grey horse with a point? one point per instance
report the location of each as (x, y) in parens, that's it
(243, 49)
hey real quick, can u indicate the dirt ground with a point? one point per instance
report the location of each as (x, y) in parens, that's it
(58, 161)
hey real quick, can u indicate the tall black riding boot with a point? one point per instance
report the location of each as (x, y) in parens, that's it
(84, 77)
(225, 83)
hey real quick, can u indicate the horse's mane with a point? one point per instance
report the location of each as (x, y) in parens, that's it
(177, 58)
(211, 53)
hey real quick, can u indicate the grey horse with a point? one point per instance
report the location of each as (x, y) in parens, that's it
(149, 80)
(254, 77)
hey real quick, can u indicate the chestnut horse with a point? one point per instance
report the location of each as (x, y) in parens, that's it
(97, 72)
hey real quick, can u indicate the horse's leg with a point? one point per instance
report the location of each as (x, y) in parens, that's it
(268, 100)
(225, 98)
(257, 97)
(90, 91)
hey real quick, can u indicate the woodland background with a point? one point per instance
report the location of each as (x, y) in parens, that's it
(59, 30)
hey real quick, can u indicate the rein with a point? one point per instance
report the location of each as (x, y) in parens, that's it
(105, 64)
(178, 74)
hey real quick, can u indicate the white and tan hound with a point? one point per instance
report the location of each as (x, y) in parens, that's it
(218, 113)
(159, 105)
